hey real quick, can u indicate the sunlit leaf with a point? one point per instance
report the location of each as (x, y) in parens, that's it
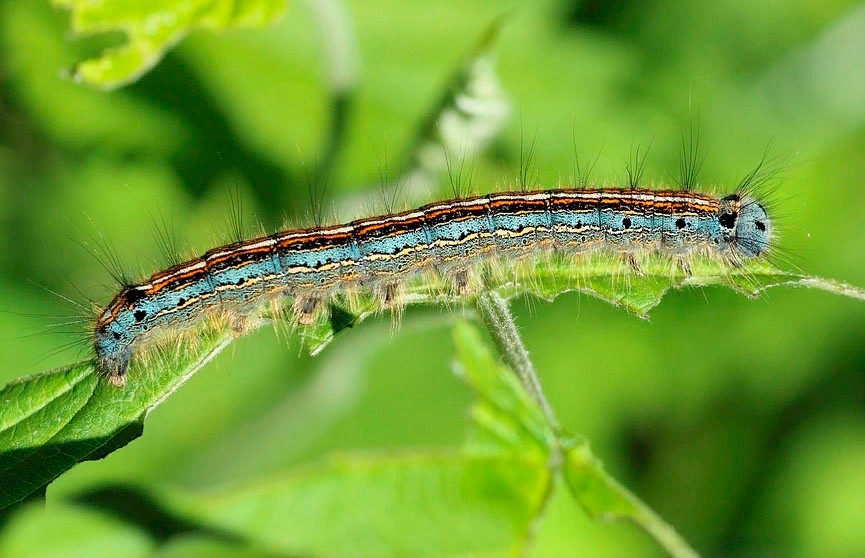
(413, 504)
(153, 27)
(52, 421)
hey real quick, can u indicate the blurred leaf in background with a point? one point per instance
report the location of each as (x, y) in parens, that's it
(152, 28)
(738, 421)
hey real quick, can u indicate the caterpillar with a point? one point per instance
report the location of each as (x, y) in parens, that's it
(446, 237)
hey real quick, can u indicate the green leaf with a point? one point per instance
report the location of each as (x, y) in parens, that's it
(505, 419)
(202, 547)
(478, 501)
(473, 501)
(411, 504)
(510, 421)
(609, 279)
(153, 27)
(52, 421)
(605, 499)
(67, 530)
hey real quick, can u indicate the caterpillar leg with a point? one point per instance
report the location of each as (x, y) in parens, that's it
(306, 308)
(242, 323)
(683, 265)
(389, 295)
(631, 259)
(461, 282)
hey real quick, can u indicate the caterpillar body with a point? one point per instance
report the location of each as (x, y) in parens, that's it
(448, 237)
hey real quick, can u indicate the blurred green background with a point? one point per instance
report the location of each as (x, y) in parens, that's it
(741, 422)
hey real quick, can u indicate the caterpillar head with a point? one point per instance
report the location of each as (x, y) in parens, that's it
(745, 226)
(112, 340)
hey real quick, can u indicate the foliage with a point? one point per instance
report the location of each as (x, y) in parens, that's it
(738, 420)
(151, 28)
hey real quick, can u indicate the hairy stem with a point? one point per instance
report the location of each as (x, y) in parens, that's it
(497, 317)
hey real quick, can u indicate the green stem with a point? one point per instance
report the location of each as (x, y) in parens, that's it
(498, 319)
(620, 503)
(829, 285)
(497, 316)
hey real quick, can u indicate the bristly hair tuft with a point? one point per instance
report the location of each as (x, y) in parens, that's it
(635, 166)
(527, 176)
(690, 162)
(583, 174)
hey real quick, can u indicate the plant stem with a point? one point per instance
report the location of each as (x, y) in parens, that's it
(497, 316)
(498, 319)
(589, 471)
